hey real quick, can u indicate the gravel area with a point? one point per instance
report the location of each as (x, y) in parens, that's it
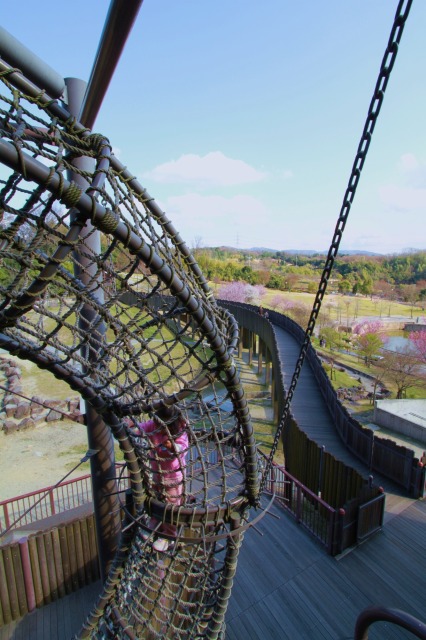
(37, 458)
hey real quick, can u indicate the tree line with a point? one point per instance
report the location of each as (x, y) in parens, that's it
(401, 276)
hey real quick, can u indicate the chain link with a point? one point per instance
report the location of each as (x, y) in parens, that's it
(388, 62)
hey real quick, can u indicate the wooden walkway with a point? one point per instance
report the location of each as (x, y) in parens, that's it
(313, 417)
(286, 586)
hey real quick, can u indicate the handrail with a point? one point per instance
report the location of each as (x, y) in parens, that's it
(49, 501)
(294, 497)
(397, 462)
(309, 510)
(383, 614)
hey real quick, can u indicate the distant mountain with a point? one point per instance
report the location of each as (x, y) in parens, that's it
(312, 252)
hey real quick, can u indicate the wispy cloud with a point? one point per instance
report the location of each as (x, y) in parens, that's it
(213, 169)
(403, 198)
(215, 218)
(409, 193)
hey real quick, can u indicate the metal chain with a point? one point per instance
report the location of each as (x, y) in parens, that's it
(388, 61)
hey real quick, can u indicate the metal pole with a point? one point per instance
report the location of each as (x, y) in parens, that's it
(105, 499)
(118, 24)
(33, 68)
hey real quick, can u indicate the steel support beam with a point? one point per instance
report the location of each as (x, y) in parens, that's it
(33, 68)
(102, 466)
(118, 24)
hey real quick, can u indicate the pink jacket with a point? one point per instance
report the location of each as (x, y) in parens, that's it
(160, 458)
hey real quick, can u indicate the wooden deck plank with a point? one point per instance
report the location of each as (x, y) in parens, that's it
(59, 620)
(321, 597)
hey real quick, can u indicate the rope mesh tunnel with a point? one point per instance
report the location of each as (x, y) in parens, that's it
(143, 332)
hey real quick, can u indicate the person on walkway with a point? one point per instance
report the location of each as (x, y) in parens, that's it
(168, 444)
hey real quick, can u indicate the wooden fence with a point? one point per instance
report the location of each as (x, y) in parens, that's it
(379, 454)
(37, 505)
(41, 568)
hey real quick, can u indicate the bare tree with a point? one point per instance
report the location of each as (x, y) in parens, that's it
(403, 370)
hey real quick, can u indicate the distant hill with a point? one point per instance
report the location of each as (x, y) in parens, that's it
(312, 252)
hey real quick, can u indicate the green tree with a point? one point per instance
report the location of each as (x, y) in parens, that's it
(369, 346)
(276, 282)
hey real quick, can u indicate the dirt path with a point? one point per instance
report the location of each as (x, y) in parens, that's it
(37, 458)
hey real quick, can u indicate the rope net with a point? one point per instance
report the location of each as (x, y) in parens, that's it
(98, 287)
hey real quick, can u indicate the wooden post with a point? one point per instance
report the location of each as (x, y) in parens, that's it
(28, 577)
(250, 341)
(260, 358)
(268, 368)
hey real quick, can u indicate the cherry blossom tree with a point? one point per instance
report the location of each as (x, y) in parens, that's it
(368, 339)
(238, 291)
(276, 302)
(254, 293)
(418, 341)
(233, 292)
(368, 326)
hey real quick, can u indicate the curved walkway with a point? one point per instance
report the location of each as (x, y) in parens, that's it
(287, 587)
(313, 417)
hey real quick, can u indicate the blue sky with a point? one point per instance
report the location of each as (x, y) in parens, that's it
(242, 119)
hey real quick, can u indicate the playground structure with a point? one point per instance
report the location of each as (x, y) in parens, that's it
(82, 240)
(80, 234)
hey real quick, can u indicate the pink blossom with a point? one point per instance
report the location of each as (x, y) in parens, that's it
(368, 326)
(418, 339)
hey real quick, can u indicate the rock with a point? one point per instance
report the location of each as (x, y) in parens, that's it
(23, 410)
(13, 371)
(27, 423)
(73, 404)
(76, 417)
(53, 415)
(9, 426)
(10, 410)
(37, 410)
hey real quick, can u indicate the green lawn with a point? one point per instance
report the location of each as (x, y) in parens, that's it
(344, 307)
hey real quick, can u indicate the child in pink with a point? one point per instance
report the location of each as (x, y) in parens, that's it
(168, 447)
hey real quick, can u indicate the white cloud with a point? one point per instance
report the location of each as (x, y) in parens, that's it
(287, 174)
(408, 193)
(403, 198)
(212, 169)
(408, 162)
(413, 170)
(216, 219)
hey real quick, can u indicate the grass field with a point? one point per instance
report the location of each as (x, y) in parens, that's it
(344, 307)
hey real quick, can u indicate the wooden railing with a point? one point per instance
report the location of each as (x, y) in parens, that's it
(335, 528)
(41, 568)
(37, 505)
(379, 454)
(308, 509)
